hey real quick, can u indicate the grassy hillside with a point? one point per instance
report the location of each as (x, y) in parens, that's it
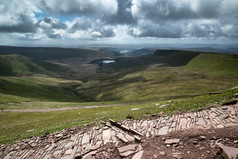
(19, 65)
(214, 64)
(20, 125)
(31, 88)
(165, 74)
(49, 53)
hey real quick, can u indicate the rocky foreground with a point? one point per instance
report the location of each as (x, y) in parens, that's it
(208, 133)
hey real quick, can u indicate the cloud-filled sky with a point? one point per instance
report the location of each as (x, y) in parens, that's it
(61, 22)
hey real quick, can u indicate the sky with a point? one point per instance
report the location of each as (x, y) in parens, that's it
(79, 22)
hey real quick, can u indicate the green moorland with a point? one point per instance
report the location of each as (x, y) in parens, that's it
(182, 76)
(18, 65)
(20, 125)
(164, 75)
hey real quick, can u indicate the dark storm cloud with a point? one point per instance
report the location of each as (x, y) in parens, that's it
(53, 36)
(162, 10)
(80, 24)
(106, 32)
(123, 15)
(50, 23)
(150, 29)
(95, 19)
(183, 18)
(16, 17)
(209, 9)
(95, 8)
(23, 25)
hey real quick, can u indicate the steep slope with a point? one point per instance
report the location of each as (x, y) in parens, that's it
(24, 79)
(19, 65)
(214, 64)
(165, 74)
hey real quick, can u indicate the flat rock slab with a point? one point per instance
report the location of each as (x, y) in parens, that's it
(177, 155)
(228, 152)
(172, 141)
(138, 155)
(106, 135)
(85, 139)
(127, 153)
(127, 148)
(223, 116)
(201, 121)
(164, 130)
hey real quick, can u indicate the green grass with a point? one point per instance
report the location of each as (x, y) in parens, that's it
(163, 76)
(37, 104)
(18, 125)
(186, 77)
(214, 64)
(19, 65)
(38, 87)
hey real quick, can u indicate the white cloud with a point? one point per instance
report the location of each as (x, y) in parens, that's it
(117, 19)
(96, 8)
(17, 16)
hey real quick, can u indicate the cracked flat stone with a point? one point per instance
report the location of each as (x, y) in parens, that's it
(163, 130)
(85, 139)
(106, 135)
(223, 116)
(127, 148)
(138, 155)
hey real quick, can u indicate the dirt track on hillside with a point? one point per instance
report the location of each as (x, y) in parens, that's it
(59, 109)
(72, 108)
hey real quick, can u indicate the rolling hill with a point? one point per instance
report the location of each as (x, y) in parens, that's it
(52, 53)
(19, 65)
(164, 75)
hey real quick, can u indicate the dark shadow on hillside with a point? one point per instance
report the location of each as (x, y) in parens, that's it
(176, 57)
(47, 53)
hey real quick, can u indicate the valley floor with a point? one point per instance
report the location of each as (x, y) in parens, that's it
(199, 134)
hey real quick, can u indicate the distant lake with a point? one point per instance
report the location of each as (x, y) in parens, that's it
(108, 61)
(124, 51)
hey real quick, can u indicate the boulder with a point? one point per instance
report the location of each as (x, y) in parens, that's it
(172, 141)
(236, 95)
(228, 152)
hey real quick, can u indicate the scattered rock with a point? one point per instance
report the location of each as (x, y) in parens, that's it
(164, 105)
(172, 141)
(236, 95)
(202, 137)
(162, 153)
(89, 155)
(128, 150)
(134, 109)
(223, 116)
(228, 152)
(164, 130)
(177, 155)
(235, 142)
(138, 155)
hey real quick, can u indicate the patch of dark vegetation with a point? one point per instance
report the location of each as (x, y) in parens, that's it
(176, 57)
(231, 102)
(47, 53)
